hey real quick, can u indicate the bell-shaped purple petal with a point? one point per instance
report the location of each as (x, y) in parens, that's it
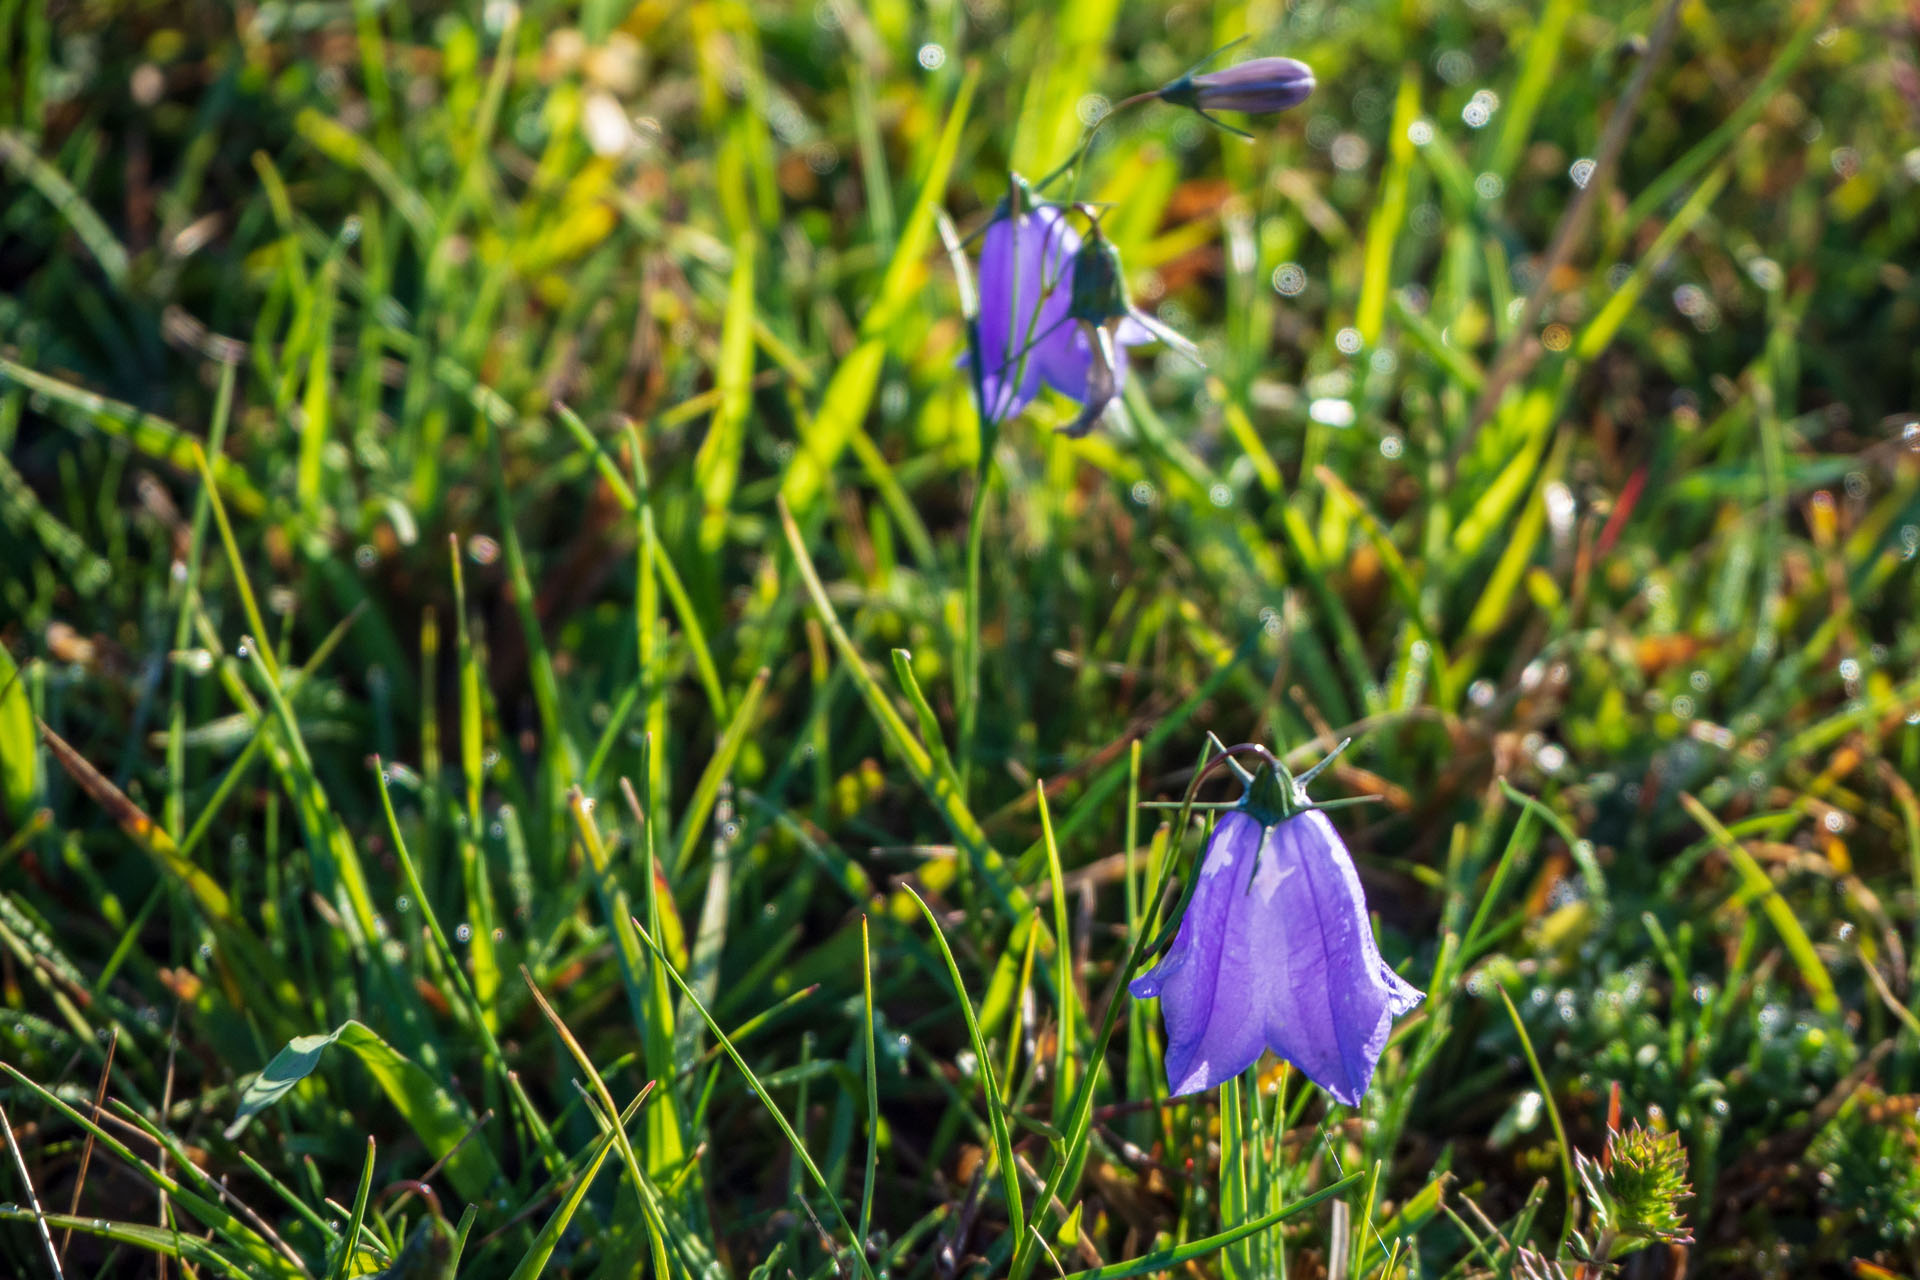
(1215, 1022)
(1277, 955)
(1257, 85)
(1068, 364)
(1026, 266)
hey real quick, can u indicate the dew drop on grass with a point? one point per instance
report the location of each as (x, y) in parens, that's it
(463, 932)
(403, 904)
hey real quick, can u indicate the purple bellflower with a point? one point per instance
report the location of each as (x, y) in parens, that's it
(1275, 952)
(1025, 262)
(1053, 310)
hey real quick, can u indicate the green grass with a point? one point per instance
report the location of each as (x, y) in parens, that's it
(507, 760)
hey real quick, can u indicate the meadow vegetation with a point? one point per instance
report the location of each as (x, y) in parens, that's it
(507, 760)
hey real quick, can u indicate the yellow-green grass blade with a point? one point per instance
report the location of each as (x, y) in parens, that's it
(146, 433)
(1756, 886)
(849, 393)
(996, 1109)
(858, 1247)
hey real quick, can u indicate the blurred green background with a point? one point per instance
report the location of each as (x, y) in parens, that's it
(477, 475)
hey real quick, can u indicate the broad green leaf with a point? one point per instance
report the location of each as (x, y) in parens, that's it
(438, 1118)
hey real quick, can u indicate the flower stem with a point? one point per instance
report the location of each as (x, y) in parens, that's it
(1086, 139)
(970, 623)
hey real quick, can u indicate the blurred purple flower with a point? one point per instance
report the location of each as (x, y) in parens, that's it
(1275, 951)
(1258, 85)
(1107, 323)
(1026, 280)
(1054, 310)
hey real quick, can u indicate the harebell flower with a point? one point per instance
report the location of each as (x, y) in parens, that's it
(1275, 951)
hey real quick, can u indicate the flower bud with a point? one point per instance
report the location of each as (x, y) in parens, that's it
(1257, 85)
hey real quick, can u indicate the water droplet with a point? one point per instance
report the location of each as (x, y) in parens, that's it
(403, 904)
(932, 56)
(463, 932)
(1289, 278)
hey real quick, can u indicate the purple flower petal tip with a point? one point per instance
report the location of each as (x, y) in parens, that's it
(1276, 951)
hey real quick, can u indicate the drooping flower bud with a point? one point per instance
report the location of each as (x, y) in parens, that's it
(1257, 86)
